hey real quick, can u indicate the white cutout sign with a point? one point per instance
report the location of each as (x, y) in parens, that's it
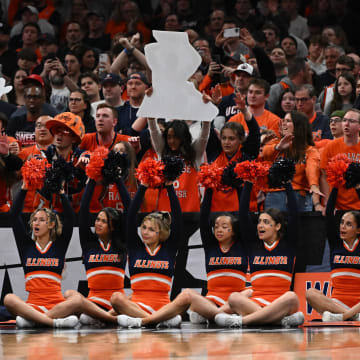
(173, 60)
(3, 88)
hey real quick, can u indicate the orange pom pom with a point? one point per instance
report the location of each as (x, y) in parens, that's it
(262, 172)
(150, 172)
(255, 172)
(33, 172)
(246, 170)
(336, 169)
(94, 167)
(209, 176)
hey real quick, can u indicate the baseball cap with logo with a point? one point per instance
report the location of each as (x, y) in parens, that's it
(139, 76)
(71, 121)
(113, 78)
(246, 68)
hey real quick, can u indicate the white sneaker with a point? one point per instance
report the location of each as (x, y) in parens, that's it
(128, 321)
(90, 321)
(356, 317)
(327, 316)
(227, 320)
(171, 323)
(196, 318)
(67, 322)
(295, 319)
(24, 323)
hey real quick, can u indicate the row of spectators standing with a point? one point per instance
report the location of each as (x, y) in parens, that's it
(262, 73)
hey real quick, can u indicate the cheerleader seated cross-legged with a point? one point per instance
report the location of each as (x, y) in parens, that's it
(226, 263)
(151, 259)
(223, 276)
(271, 247)
(104, 256)
(43, 258)
(344, 303)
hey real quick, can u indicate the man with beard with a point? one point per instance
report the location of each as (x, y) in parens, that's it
(61, 84)
(22, 122)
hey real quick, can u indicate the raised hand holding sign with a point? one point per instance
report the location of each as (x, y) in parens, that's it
(173, 60)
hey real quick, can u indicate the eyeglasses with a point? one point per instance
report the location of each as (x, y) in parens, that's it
(76, 100)
(302, 100)
(350, 121)
(335, 120)
(40, 125)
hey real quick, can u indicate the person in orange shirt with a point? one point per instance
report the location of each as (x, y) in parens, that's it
(43, 138)
(234, 146)
(68, 131)
(349, 145)
(343, 238)
(111, 196)
(271, 245)
(176, 140)
(105, 135)
(296, 144)
(257, 94)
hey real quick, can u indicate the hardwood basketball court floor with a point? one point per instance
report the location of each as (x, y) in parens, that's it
(187, 342)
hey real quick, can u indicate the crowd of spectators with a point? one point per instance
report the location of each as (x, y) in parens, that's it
(87, 58)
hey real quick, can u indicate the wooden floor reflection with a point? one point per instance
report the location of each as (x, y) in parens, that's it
(188, 342)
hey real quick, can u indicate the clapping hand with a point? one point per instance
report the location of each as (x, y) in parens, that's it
(4, 145)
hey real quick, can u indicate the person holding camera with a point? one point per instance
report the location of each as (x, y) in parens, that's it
(61, 84)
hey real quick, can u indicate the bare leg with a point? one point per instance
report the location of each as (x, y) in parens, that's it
(97, 312)
(69, 293)
(225, 309)
(93, 310)
(122, 305)
(348, 314)
(73, 304)
(19, 307)
(179, 305)
(205, 307)
(286, 304)
(241, 304)
(113, 312)
(321, 303)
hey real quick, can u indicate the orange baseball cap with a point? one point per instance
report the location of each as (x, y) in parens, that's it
(71, 121)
